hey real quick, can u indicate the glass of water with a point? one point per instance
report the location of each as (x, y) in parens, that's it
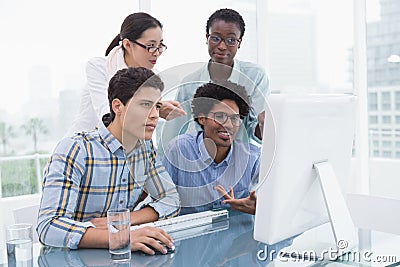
(19, 245)
(119, 234)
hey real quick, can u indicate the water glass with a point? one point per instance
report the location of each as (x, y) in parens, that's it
(19, 245)
(119, 234)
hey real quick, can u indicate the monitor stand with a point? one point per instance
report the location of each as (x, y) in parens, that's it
(335, 238)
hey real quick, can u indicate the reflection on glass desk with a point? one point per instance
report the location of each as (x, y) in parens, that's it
(229, 244)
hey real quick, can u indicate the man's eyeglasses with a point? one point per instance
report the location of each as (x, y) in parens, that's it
(214, 39)
(222, 117)
(152, 49)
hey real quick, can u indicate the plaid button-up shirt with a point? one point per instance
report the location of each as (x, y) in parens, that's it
(90, 173)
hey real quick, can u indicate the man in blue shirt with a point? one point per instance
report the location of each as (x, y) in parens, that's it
(112, 167)
(212, 158)
(224, 33)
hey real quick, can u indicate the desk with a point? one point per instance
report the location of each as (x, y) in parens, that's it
(234, 246)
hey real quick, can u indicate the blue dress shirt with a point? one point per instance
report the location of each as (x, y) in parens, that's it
(196, 174)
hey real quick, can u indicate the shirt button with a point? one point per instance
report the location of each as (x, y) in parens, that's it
(124, 180)
(121, 201)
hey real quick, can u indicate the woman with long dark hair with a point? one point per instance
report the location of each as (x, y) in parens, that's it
(139, 44)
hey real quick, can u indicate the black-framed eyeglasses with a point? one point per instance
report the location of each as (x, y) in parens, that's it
(222, 117)
(214, 39)
(152, 49)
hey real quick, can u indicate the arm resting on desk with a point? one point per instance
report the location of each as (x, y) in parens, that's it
(145, 215)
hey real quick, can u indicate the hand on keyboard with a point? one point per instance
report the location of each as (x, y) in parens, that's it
(144, 238)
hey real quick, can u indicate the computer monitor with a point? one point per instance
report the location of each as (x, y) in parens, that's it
(300, 131)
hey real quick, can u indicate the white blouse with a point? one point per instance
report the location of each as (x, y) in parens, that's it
(94, 98)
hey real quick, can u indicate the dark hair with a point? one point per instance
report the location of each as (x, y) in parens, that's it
(227, 15)
(133, 27)
(126, 82)
(209, 94)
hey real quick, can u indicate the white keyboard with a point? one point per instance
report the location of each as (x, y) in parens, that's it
(200, 230)
(187, 221)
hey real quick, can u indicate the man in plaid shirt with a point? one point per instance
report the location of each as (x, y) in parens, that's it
(112, 167)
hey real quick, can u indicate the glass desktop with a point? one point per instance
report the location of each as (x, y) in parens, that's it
(231, 246)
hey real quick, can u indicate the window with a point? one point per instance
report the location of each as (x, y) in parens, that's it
(386, 144)
(373, 132)
(372, 101)
(386, 119)
(325, 62)
(397, 100)
(383, 31)
(46, 88)
(387, 154)
(386, 104)
(373, 119)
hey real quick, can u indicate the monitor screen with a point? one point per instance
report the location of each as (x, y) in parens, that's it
(299, 131)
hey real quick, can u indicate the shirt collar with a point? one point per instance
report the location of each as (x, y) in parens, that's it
(112, 143)
(235, 75)
(204, 153)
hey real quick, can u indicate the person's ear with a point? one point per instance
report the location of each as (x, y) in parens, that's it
(117, 106)
(239, 43)
(201, 119)
(126, 44)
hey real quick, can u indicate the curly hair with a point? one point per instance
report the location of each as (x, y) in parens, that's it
(209, 94)
(227, 15)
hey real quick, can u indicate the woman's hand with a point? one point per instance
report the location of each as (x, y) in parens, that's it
(171, 109)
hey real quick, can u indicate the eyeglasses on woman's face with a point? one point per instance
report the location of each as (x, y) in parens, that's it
(152, 49)
(215, 40)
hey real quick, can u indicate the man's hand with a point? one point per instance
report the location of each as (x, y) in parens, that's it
(247, 205)
(145, 239)
(147, 236)
(171, 109)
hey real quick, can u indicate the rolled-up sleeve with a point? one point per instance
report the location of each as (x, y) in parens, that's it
(260, 92)
(159, 185)
(62, 176)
